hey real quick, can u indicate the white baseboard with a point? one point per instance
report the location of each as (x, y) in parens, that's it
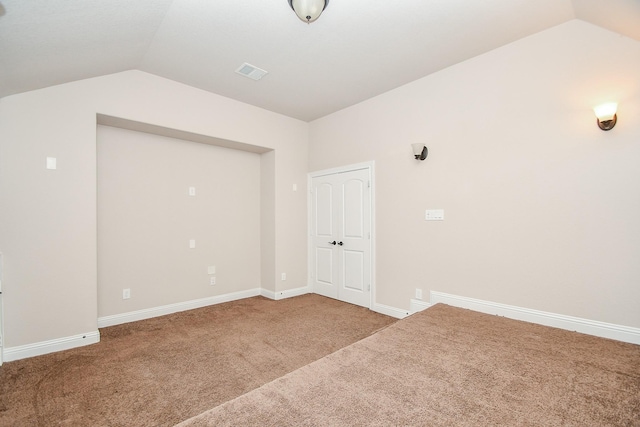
(44, 347)
(148, 313)
(585, 326)
(285, 294)
(390, 311)
(417, 305)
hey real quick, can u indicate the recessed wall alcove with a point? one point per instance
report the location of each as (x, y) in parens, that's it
(147, 218)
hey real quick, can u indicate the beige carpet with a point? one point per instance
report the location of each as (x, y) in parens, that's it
(161, 371)
(452, 367)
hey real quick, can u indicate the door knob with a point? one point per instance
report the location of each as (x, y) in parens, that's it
(340, 243)
(332, 243)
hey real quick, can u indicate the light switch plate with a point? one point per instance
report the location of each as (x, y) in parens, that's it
(192, 191)
(434, 215)
(211, 269)
(192, 243)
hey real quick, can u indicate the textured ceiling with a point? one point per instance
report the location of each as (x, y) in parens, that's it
(356, 50)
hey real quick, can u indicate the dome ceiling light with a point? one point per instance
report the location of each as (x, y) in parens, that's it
(308, 10)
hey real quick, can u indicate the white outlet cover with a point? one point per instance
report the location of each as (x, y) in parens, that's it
(51, 163)
(284, 276)
(192, 243)
(192, 191)
(212, 281)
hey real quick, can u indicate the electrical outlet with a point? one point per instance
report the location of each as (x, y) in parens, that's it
(126, 293)
(51, 163)
(284, 276)
(212, 280)
(192, 243)
(418, 293)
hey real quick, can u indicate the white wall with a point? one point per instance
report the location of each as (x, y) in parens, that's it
(542, 208)
(146, 218)
(268, 222)
(48, 224)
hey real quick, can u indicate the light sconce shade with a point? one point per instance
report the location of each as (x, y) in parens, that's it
(420, 151)
(606, 114)
(308, 10)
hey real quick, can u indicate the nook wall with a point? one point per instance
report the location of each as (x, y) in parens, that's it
(147, 218)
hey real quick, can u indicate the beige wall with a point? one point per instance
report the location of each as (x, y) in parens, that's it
(146, 218)
(48, 231)
(542, 208)
(267, 222)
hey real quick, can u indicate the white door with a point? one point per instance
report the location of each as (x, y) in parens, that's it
(341, 236)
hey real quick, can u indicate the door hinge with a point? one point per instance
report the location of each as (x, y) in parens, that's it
(369, 287)
(369, 184)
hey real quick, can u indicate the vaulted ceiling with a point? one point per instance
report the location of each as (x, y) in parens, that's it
(356, 50)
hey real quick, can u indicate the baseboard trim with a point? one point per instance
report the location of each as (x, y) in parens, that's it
(417, 305)
(390, 311)
(51, 346)
(585, 326)
(149, 313)
(290, 293)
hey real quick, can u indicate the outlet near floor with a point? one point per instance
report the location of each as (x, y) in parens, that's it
(126, 293)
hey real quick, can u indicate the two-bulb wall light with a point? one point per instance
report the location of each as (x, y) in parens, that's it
(606, 115)
(420, 151)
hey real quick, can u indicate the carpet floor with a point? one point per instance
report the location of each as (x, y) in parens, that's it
(449, 366)
(161, 371)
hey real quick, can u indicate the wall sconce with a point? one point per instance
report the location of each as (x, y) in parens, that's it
(420, 151)
(606, 114)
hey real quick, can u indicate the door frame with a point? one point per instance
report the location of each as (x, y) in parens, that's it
(370, 167)
(2, 339)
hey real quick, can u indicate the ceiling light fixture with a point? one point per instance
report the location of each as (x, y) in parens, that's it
(308, 10)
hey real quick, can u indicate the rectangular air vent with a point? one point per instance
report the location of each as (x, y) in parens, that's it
(250, 71)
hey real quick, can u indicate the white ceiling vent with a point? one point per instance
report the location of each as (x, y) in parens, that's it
(250, 71)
